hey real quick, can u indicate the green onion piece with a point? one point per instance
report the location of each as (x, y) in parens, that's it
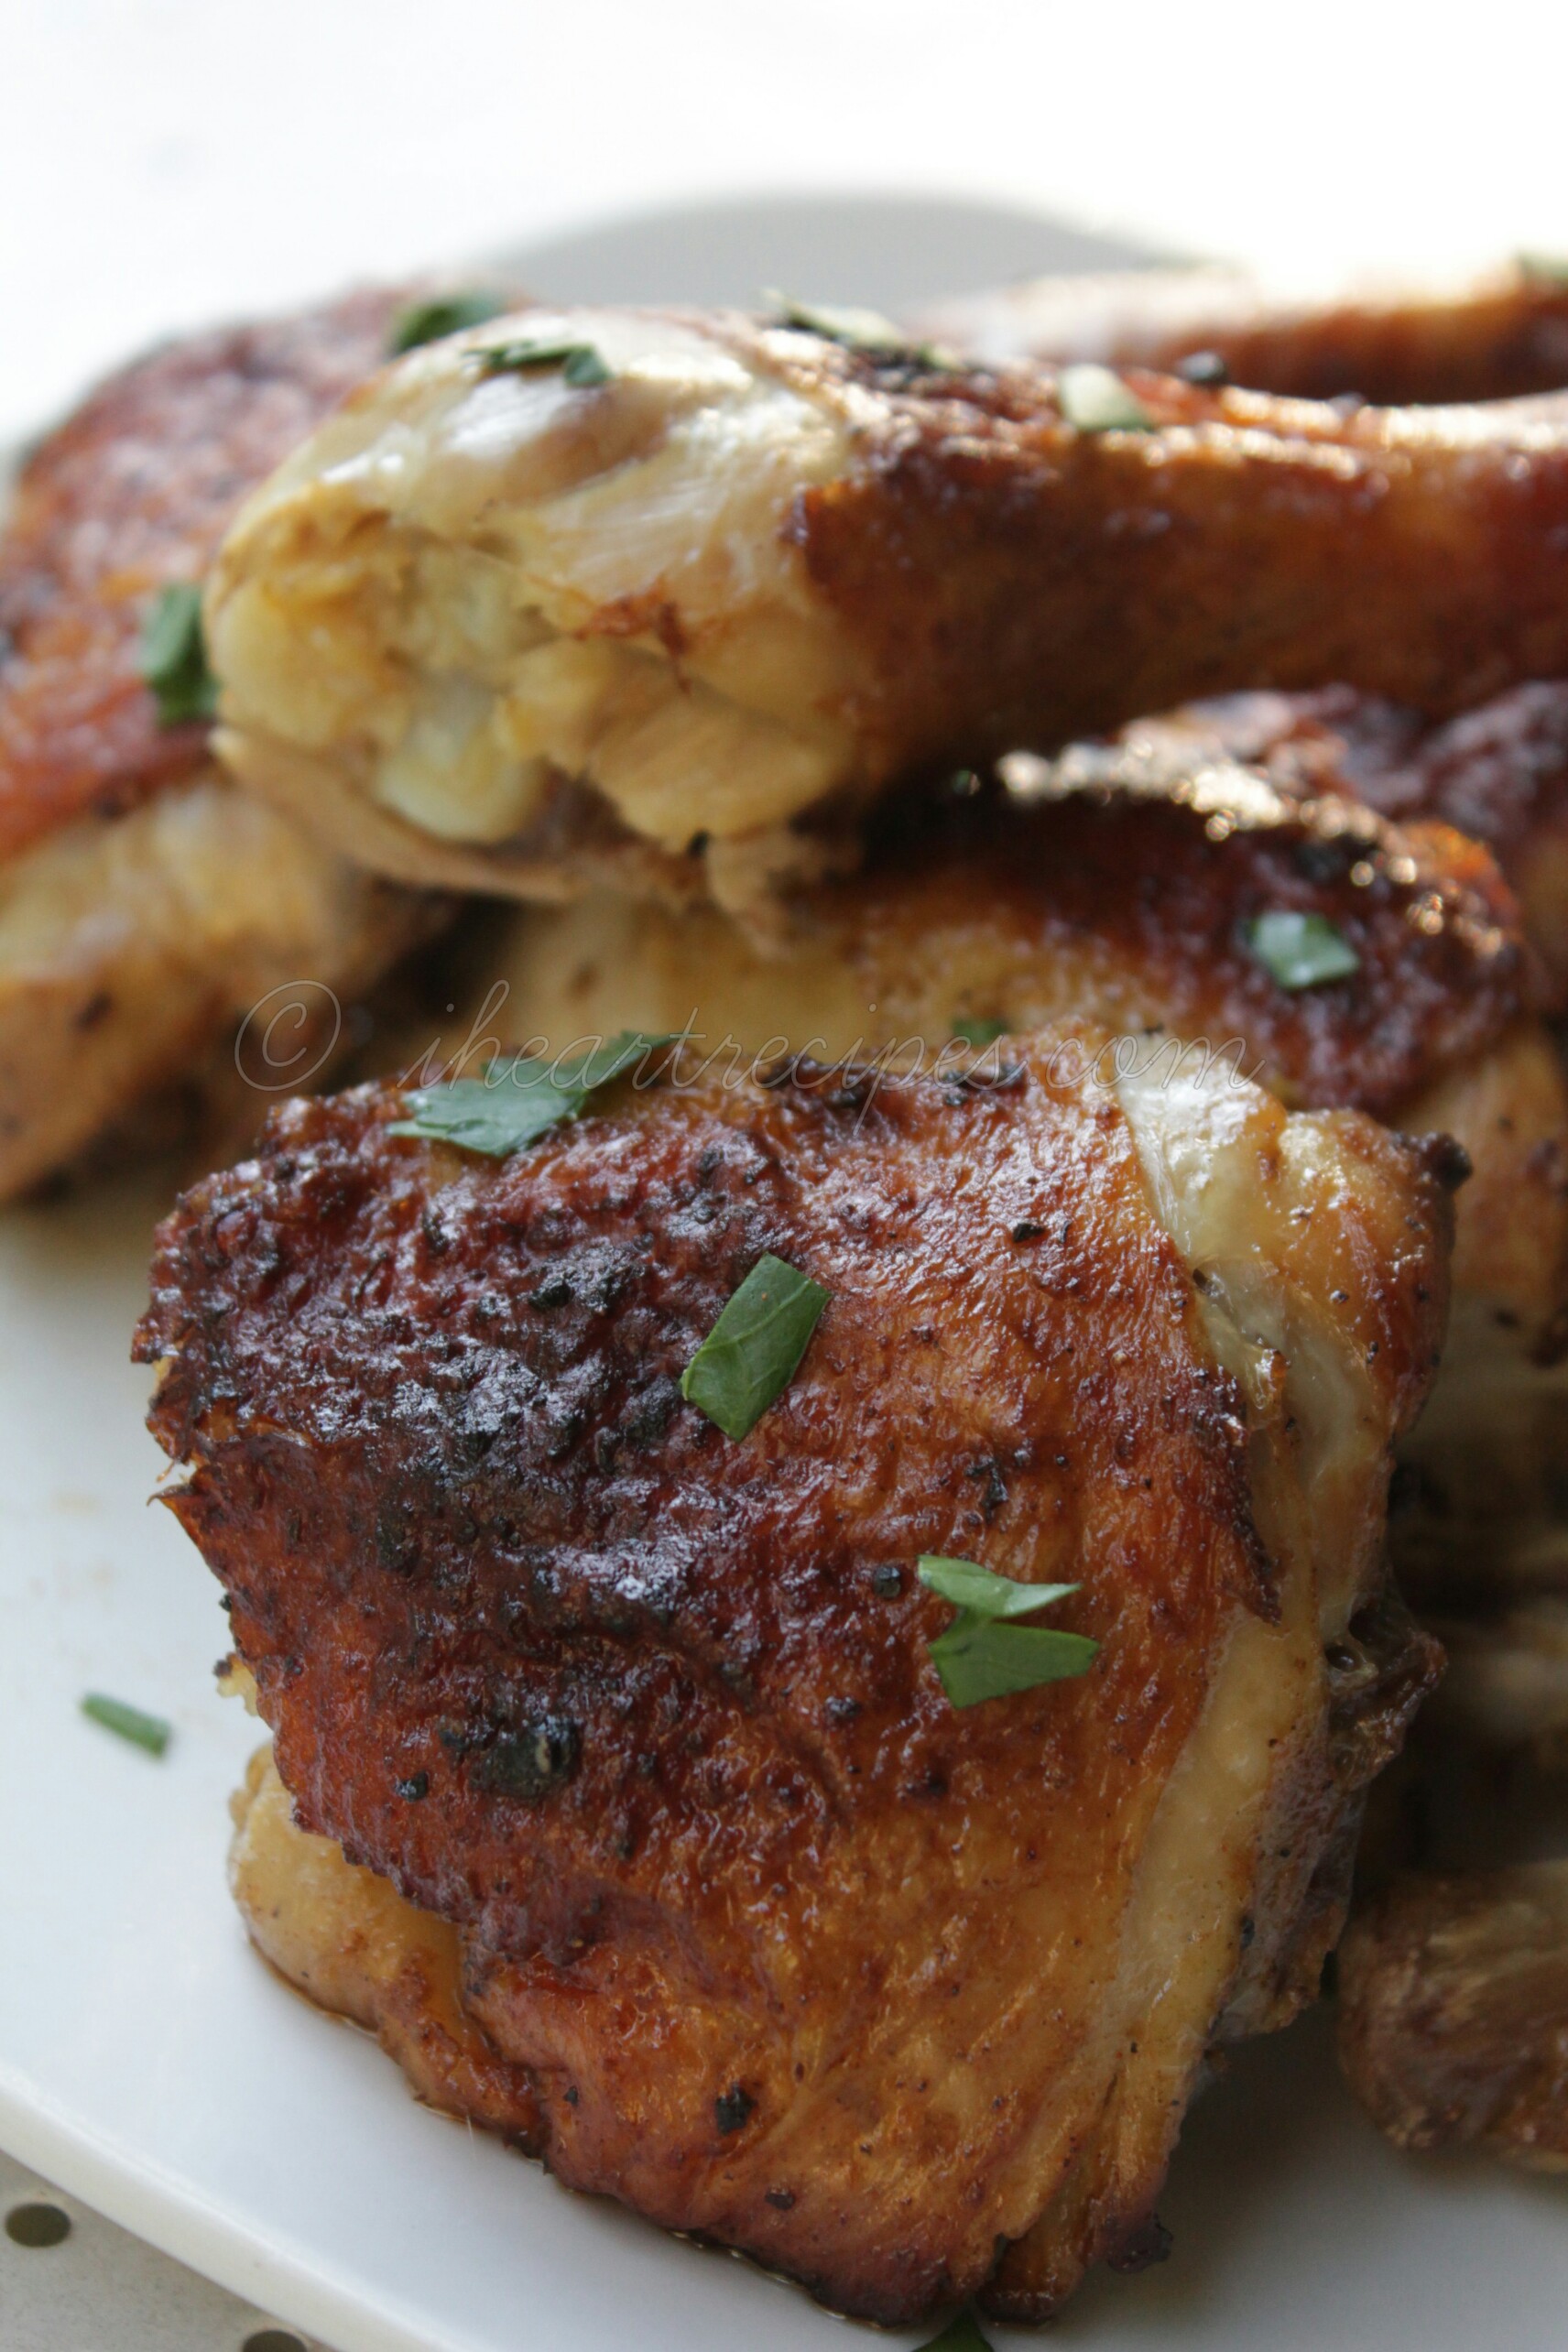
(173, 659)
(962, 2334)
(1093, 399)
(1301, 950)
(750, 1355)
(971, 1028)
(445, 314)
(579, 363)
(1544, 269)
(982, 1656)
(147, 1731)
(516, 1102)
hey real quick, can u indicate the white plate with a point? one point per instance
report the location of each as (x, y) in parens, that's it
(151, 2065)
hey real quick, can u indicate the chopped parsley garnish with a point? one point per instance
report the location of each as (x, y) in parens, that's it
(970, 1029)
(173, 659)
(751, 1355)
(579, 363)
(855, 329)
(982, 1655)
(445, 314)
(962, 2334)
(517, 1101)
(1093, 399)
(1208, 369)
(149, 1731)
(1301, 950)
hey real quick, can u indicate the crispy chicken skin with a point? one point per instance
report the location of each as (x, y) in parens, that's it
(144, 907)
(1121, 882)
(1499, 337)
(799, 1957)
(135, 490)
(497, 628)
(1498, 772)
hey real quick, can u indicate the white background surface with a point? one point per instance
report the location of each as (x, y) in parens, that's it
(163, 162)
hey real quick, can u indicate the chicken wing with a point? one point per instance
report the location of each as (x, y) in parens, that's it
(144, 906)
(1499, 337)
(663, 601)
(797, 1953)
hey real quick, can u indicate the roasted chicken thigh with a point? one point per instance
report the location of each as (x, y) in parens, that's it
(1125, 881)
(145, 905)
(663, 601)
(904, 1998)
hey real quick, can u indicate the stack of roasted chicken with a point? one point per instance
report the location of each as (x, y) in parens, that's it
(837, 1486)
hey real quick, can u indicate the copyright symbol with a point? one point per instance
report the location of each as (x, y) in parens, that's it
(288, 1035)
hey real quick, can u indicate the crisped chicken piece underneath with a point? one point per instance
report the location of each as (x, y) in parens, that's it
(1124, 886)
(145, 906)
(1454, 2012)
(1498, 773)
(131, 948)
(598, 596)
(1484, 1509)
(798, 1955)
(1497, 337)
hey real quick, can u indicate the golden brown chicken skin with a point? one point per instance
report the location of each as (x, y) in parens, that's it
(135, 490)
(1124, 880)
(798, 1955)
(517, 629)
(1499, 337)
(1498, 772)
(144, 907)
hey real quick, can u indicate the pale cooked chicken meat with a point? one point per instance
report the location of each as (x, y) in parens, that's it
(356, 1946)
(145, 906)
(1496, 337)
(663, 599)
(903, 1998)
(1454, 2012)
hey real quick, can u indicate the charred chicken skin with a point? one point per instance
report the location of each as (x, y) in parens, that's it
(664, 600)
(144, 905)
(903, 1998)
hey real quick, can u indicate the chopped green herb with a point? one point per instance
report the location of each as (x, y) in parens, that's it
(1544, 268)
(1301, 950)
(147, 1731)
(1093, 399)
(1208, 369)
(445, 314)
(971, 1028)
(982, 1656)
(962, 2334)
(516, 1102)
(579, 363)
(174, 656)
(750, 1355)
(857, 330)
